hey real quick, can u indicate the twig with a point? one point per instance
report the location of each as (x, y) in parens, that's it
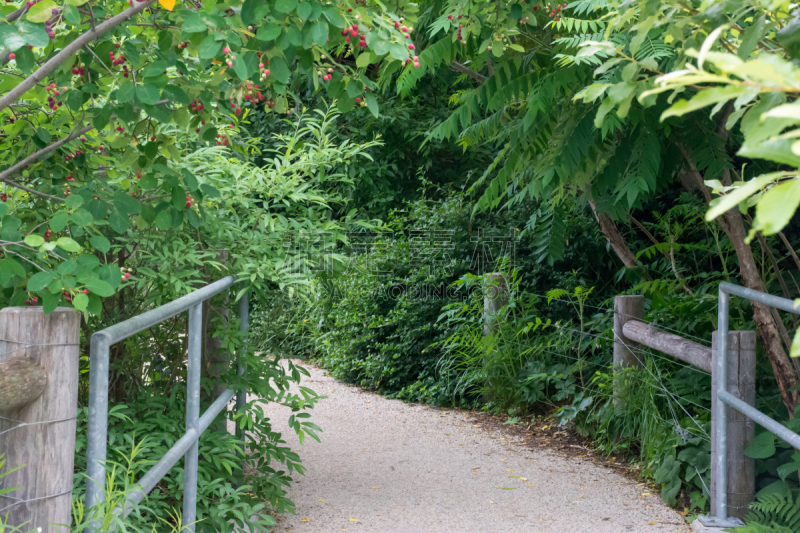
(468, 71)
(68, 51)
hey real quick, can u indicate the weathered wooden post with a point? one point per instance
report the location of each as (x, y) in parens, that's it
(741, 430)
(626, 308)
(39, 357)
(494, 299)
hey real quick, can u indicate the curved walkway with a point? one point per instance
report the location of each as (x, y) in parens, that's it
(387, 466)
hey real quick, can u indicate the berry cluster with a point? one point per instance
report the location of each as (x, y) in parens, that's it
(126, 272)
(47, 235)
(77, 69)
(188, 201)
(554, 11)
(228, 56)
(70, 156)
(70, 178)
(116, 60)
(252, 93)
(328, 76)
(222, 140)
(51, 101)
(197, 106)
(47, 27)
(353, 31)
(67, 193)
(264, 69)
(35, 299)
(3, 197)
(67, 295)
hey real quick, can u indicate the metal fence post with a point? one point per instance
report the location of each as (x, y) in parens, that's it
(241, 395)
(194, 362)
(721, 435)
(98, 419)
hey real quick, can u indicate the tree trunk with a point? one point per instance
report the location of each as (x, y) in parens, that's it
(614, 237)
(732, 224)
(215, 356)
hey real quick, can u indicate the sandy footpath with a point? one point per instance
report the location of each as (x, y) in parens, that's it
(387, 466)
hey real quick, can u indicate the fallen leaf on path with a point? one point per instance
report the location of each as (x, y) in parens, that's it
(305, 520)
(651, 523)
(523, 479)
(398, 507)
(501, 459)
(354, 519)
(323, 501)
(376, 487)
(531, 485)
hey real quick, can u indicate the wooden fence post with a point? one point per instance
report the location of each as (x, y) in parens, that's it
(43, 442)
(626, 308)
(495, 298)
(741, 430)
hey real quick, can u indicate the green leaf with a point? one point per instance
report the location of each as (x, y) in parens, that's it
(10, 38)
(49, 300)
(156, 68)
(147, 94)
(762, 446)
(345, 103)
(82, 217)
(33, 240)
(248, 12)
(74, 201)
(372, 104)
(304, 10)
(42, 11)
(25, 60)
(239, 66)
(285, 6)
(752, 35)
(194, 23)
(68, 244)
(268, 32)
(164, 220)
(100, 243)
(71, 14)
(334, 17)
(44, 135)
(209, 48)
(777, 207)
(40, 280)
(280, 70)
(176, 94)
(319, 32)
(80, 302)
(33, 34)
(398, 51)
(98, 287)
(363, 60)
(59, 221)
(118, 221)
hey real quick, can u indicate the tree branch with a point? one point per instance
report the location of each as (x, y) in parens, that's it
(44, 151)
(32, 191)
(469, 72)
(72, 48)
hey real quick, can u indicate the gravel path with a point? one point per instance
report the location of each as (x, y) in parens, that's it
(387, 466)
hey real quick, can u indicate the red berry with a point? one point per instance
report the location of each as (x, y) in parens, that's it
(12, 55)
(85, 291)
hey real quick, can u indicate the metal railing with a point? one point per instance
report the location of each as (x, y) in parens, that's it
(721, 519)
(187, 445)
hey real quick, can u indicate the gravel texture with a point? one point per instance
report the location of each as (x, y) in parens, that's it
(388, 466)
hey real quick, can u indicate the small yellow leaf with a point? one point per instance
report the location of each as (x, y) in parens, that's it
(398, 507)
(531, 485)
(323, 501)
(167, 4)
(501, 459)
(305, 520)
(376, 487)
(354, 519)
(651, 523)
(523, 479)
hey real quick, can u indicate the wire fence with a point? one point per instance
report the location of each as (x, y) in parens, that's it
(22, 424)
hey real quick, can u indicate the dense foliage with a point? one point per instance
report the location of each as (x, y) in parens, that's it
(638, 146)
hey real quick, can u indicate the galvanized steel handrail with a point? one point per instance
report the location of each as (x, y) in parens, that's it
(187, 445)
(721, 519)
